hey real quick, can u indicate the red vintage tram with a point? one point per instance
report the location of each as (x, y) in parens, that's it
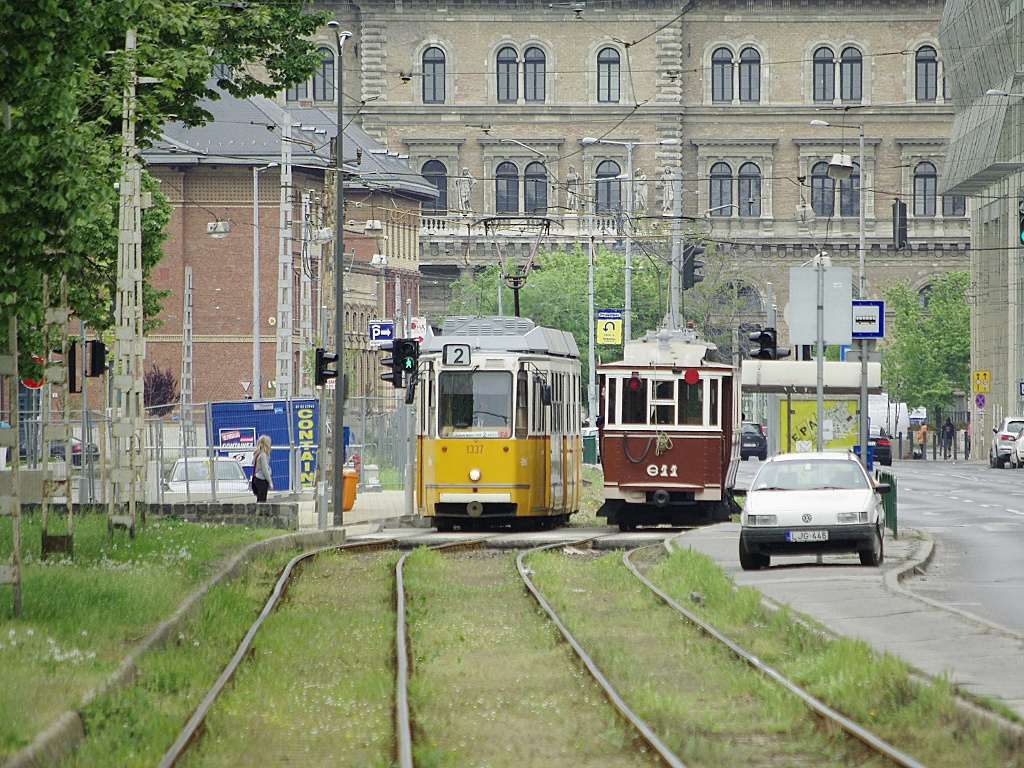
(670, 442)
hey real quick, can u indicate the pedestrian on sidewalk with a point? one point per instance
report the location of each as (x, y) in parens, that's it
(948, 433)
(922, 440)
(262, 481)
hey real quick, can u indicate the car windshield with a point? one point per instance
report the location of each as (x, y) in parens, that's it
(809, 475)
(752, 429)
(878, 432)
(1015, 427)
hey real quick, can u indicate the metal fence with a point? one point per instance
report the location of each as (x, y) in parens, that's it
(378, 447)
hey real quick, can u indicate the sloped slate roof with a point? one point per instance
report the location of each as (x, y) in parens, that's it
(248, 132)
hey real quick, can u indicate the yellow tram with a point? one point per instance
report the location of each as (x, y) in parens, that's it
(499, 424)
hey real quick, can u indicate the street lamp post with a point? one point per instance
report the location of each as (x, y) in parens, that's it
(338, 443)
(257, 385)
(628, 287)
(862, 421)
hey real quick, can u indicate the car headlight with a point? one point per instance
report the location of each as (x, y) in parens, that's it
(762, 520)
(852, 517)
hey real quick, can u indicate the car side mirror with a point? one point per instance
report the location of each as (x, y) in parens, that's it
(995, 430)
(883, 488)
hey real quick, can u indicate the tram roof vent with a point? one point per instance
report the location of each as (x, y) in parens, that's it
(487, 326)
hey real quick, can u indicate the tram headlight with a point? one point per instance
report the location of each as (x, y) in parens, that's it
(474, 475)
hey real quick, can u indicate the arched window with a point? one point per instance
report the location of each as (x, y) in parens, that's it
(435, 172)
(609, 192)
(323, 78)
(721, 190)
(750, 75)
(824, 75)
(433, 76)
(508, 75)
(751, 299)
(506, 188)
(608, 75)
(221, 71)
(954, 205)
(535, 188)
(851, 69)
(924, 296)
(822, 190)
(721, 75)
(534, 75)
(749, 190)
(926, 74)
(849, 194)
(297, 92)
(925, 183)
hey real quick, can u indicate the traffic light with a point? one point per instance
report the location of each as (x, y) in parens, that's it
(408, 356)
(767, 341)
(95, 358)
(1020, 220)
(74, 385)
(392, 365)
(690, 265)
(899, 225)
(323, 360)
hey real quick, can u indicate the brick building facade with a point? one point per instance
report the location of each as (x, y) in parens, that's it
(212, 174)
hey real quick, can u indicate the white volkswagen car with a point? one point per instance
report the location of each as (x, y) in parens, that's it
(812, 503)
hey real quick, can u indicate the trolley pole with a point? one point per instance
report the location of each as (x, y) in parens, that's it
(410, 423)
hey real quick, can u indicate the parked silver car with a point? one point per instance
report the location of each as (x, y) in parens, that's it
(193, 476)
(1003, 438)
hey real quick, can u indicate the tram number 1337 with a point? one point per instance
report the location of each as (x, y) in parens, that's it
(664, 470)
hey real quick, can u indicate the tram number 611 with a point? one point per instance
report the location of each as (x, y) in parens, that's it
(665, 470)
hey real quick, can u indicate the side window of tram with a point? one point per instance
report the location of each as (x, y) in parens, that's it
(611, 411)
(634, 401)
(691, 403)
(663, 408)
(522, 403)
(713, 404)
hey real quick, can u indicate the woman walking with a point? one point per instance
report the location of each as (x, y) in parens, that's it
(261, 478)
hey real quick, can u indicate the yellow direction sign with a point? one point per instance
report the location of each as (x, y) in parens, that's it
(609, 326)
(981, 380)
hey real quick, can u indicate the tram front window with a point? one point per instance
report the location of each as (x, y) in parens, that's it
(474, 400)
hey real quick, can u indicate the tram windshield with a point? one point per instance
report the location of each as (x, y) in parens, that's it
(475, 402)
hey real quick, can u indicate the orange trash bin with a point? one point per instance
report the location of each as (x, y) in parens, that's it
(348, 488)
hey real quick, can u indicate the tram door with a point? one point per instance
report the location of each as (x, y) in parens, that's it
(556, 444)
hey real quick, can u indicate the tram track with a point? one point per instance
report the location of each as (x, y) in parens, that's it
(419, 734)
(829, 717)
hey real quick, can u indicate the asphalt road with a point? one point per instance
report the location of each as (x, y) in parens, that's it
(975, 514)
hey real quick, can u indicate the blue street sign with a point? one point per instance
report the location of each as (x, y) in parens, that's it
(381, 331)
(868, 319)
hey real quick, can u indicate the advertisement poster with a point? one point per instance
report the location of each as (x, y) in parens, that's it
(839, 428)
(239, 444)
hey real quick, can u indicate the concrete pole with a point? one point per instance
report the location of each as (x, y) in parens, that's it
(628, 319)
(862, 422)
(338, 443)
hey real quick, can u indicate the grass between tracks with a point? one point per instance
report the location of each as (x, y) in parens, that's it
(718, 712)
(80, 619)
(492, 684)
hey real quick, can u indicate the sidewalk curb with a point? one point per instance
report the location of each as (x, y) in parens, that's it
(917, 565)
(60, 738)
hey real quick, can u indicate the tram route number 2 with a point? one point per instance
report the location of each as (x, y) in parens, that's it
(456, 354)
(664, 470)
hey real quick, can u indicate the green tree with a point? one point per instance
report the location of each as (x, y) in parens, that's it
(63, 72)
(927, 352)
(556, 293)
